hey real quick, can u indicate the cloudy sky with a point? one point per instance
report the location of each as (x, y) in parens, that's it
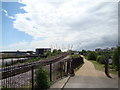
(80, 24)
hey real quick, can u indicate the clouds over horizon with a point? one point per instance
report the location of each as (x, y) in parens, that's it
(83, 24)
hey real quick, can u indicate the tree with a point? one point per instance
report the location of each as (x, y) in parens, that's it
(42, 79)
(116, 57)
(48, 54)
(101, 59)
(59, 51)
(56, 52)
(83, 52)
(92, 55)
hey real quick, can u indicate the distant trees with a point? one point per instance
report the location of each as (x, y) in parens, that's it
(75, 56)
(101, 59)
(83, 52)
(105, 56)
(53, 53)
(48, 54)
(56, 52)
(92, 55)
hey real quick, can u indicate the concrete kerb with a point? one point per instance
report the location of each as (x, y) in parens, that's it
(61, 83)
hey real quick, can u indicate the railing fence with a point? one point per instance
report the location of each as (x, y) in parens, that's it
(26, 78)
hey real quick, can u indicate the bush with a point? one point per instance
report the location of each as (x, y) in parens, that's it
(83, 52)
(116, 57)
(98, 58)
(56, 52)
(42, 79)
(48, 54)
(101, 59)
(92, 55)
(75, 56)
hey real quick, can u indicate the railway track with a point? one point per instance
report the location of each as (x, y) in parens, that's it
(18, 69)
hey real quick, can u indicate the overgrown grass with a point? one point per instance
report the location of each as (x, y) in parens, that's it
(100, 67)
(114, 72)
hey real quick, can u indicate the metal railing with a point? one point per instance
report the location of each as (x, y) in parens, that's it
(23, 76)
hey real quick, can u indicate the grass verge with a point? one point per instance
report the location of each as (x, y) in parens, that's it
(100, 67)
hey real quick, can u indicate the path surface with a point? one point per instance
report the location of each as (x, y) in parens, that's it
(88, 77)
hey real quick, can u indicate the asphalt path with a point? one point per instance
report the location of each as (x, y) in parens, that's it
(88, 77)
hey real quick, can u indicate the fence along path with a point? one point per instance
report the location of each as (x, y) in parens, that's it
(18, 69)
(23, 75)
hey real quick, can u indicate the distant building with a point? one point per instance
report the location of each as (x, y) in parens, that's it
(113, 48)
(41, 51)
(16, 53)
(98, 49)
(105, 49)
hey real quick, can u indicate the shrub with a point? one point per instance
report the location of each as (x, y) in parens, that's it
(42, 79)
(56, 52)
(92, 55)
(75, 56)
(98, 58)
(116, 57)
(48, 54)
(83, 52)
(101, 59)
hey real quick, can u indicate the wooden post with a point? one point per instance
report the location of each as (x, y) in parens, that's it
(107, 68)
(119, 68)
(32, 72)
(68, 67)
(51, 72)
(61, 68)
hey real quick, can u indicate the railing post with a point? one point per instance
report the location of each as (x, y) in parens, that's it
(6, 75)
(107, 68)
(51, 72)
(32, 72)
(61, 69)
(2, 62)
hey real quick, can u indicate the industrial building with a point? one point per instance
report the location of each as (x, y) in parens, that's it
(41, 51)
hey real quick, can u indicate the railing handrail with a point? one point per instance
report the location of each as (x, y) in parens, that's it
(8, 70)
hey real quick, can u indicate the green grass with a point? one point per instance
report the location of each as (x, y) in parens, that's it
(114, 72)
(100, 67)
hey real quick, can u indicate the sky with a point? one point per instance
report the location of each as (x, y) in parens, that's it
(61, 24)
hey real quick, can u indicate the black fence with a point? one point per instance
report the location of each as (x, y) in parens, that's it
(23, 76)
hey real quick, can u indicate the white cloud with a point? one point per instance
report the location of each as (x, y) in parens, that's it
(91, 24)
(6, 14)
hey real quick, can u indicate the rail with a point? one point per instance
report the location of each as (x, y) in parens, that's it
(18, 69)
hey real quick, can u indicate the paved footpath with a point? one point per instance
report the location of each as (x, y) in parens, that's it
(88, 77)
